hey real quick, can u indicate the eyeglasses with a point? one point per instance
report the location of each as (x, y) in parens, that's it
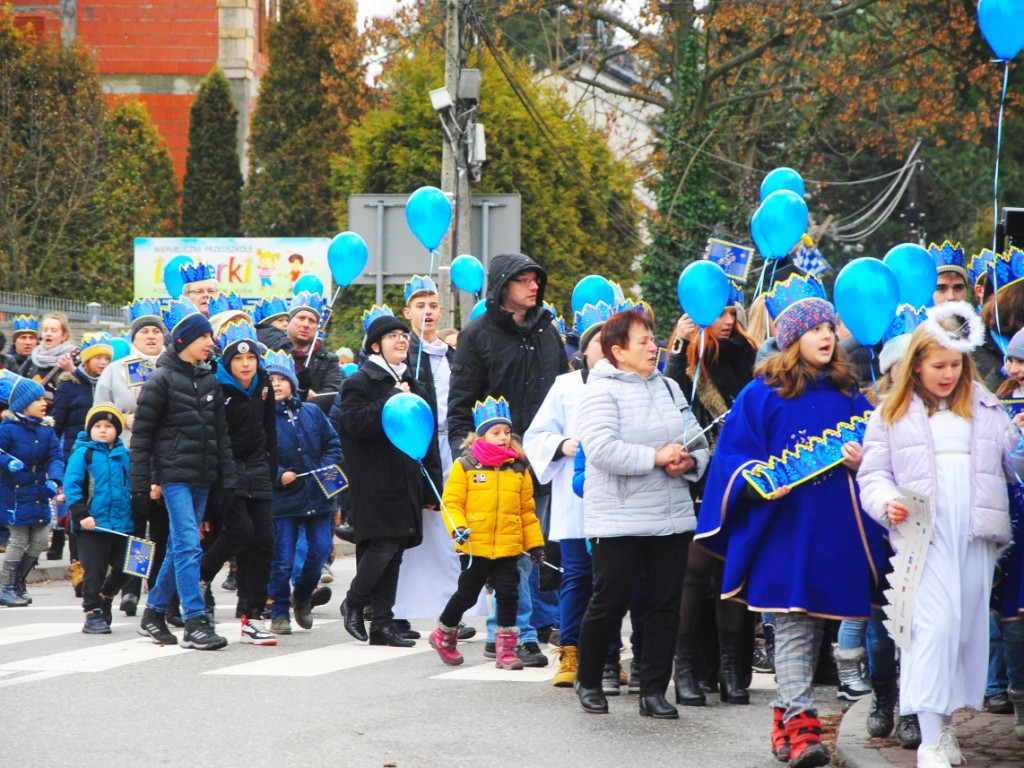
(527, 280)
(396, 336)
(202, 291)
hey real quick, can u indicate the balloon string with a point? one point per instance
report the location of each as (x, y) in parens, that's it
(760, 280)
(995, 193)
(874, 383)
(444, 509)
(423, 322)
(693, 389)
(771, 280)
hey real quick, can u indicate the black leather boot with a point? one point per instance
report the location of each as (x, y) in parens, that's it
(730, 674)
(658, 708)
(352, 615)
(591, 699)
(688, 692)
(388, 634)
(883, 702)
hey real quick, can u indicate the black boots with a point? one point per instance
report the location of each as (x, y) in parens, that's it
(388, 634)
(56, 550)
(730, 670)
(883, 702)
(200, 636)
(688, 692)
(154, 626)
(658, 708)
(25, 567)
(352, 615)
(591, 699)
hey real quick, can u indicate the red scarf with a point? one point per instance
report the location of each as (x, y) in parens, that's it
(491, 455)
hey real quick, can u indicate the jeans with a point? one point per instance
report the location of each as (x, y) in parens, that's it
(286, 532)
(851, 633)
(503, 573)
(1013, 651)
(997, 680)
(881, 648)
(524, 609)
(180, 568)
(154, 515)
(577, 584)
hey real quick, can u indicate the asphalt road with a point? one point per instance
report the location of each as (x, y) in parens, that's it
(321, 698)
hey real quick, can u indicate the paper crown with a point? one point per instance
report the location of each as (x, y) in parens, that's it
(418, 284)
(235, 332)
(92, 342)
(371, 314)
(906, 320)
(559, 321)
(978, 266)
(949, 257)
(491, 412)
(591, 315)
(144, 308)
(176, 311)
(268, 309)
(306, 300)
(1006, 269)
(226, 302)
(196, 273)
(808, 459)
(793, 289)
(277, 358)
(735, 295)
(25, 324)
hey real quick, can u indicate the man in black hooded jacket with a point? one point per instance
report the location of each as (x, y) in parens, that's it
(514, 351)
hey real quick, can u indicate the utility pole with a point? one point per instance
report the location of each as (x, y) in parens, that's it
(462, 153)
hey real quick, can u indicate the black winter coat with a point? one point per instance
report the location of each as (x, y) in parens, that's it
(988, 359)
(180, 433)
(387, 488)
(71, 404)
(252, 427)
(498, 357)
(321, 374)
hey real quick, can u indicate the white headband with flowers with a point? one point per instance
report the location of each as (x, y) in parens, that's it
(966, 337)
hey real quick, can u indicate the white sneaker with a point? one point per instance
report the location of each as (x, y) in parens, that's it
(947, 743)
(254, 633)
(326, 577)
(932, 757)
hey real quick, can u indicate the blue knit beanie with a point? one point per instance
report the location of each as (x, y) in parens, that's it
(24, 393)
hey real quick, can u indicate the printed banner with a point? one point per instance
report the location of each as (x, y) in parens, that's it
(331, 480)
(908, 566)
(138, 557)
(733, 258)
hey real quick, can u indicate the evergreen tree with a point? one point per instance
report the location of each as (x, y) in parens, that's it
(212, 193)
(313, 89)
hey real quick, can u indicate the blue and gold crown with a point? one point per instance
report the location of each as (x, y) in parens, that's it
(237, 331)
(808, 459)
(314, 302)
(591, 315)
(1006, 268)
(418, 284)
(978, 266)
(735, 295)
(491, 412)
(268, 309)
(226, 302)
(280, 362)
(196, 273)
(144, 308)
(177, 310)
(559, 321)
(949, 257)
(371, 314)
(25, 324)
(793, 289)
(906, 320)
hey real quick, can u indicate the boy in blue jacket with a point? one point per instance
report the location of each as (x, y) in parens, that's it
(98, 489)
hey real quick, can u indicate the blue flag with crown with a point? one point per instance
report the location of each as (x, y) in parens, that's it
(733, 258)
(331, 480)
(138, 557)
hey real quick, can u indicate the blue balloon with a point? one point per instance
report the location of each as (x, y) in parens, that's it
(782, 178)
(428, 214)
(409, 424)
(349, 368)
(756, 234)
(120, 347)
(590, 290)
(479, 309)
(468, 273)
(346, 256)
(172, 275)
(867, 294)
(783, 221)
(915, 272)
(703, 291)
(310, 283)
(1002, 25)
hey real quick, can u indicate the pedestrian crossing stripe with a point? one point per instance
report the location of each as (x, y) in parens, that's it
(24, 633)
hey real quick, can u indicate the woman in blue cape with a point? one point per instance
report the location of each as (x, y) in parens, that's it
(807, 553)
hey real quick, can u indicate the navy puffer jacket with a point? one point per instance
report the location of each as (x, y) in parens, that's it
(24, 497)
(305, 441)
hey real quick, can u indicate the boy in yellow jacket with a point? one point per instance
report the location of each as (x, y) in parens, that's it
(489, 498)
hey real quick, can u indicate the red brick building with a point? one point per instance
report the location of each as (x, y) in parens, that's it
(159, 50)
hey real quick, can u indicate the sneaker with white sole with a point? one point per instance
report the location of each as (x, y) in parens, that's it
(254, 633)
(932, 757)
(948, 744)
(326, 576)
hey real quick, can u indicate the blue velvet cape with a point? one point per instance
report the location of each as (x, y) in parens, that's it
(813, 550)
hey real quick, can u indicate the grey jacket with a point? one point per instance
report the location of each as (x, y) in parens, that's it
(112, 387)
(623, 421)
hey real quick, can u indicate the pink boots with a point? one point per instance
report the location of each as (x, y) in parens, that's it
(443, 640)
(505, 641)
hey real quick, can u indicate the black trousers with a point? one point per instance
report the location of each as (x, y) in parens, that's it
(247, 532)
(150, 518)
(662, 560)
(376, 580)
(102, 556)
(504, 575)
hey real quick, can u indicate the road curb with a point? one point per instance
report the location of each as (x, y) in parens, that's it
(853, 739)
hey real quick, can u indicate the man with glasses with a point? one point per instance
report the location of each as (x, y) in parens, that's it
(513, 350)
(199, 284)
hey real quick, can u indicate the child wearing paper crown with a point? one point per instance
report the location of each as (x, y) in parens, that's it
(805, 553)
(31, 472)
(942, 435)
(98, 488)
(489, 501)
